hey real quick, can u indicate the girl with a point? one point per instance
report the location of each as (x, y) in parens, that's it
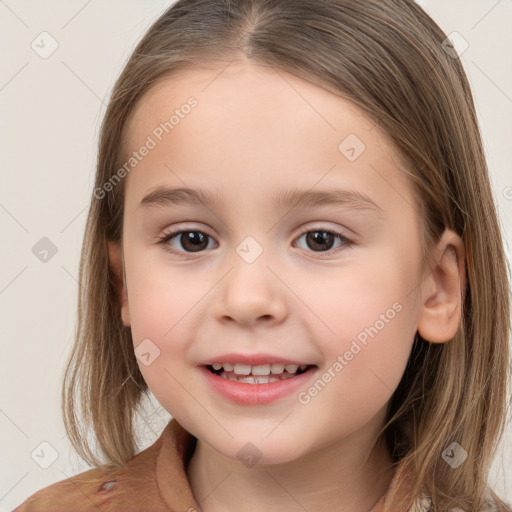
(292, 243)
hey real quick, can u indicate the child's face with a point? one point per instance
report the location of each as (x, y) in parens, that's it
(256, 278)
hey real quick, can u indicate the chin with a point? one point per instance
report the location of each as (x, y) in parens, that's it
(256, 450)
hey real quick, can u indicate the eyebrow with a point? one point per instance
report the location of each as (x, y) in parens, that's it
(293, 198)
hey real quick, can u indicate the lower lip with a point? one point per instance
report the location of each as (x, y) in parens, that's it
(255, 394)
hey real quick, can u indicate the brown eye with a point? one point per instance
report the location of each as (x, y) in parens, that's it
(321, 240)
(188, 241)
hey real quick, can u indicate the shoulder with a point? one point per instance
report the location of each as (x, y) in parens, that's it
(86, 491)
(103, 489)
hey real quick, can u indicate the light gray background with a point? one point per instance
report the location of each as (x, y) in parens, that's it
(50, 116)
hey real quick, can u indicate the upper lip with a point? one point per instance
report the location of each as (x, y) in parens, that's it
(251, 359)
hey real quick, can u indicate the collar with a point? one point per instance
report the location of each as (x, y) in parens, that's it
(177, 448)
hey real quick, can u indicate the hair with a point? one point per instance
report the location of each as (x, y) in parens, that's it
(387, 58)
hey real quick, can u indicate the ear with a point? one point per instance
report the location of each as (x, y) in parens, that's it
(443, 291)
(115, 253)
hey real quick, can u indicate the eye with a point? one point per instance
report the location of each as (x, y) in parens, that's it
(322, 240)
(194, 241)
(190, 240)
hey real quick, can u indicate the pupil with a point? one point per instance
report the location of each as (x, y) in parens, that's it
(318, 239)
(195, 239)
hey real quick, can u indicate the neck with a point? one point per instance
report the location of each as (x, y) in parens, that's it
(339, 477)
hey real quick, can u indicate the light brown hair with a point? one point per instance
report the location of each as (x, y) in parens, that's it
(387, 57)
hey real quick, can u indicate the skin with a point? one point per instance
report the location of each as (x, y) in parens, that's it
(256, 132)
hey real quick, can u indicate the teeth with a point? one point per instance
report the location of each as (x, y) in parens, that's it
(256, 379)
(259, 369)
(277, 368)
(241, 369)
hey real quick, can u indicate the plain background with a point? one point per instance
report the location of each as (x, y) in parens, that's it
(51, 111)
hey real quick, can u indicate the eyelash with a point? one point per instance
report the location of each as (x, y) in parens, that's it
(169, 236)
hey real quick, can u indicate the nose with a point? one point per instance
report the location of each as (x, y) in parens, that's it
(251, 294)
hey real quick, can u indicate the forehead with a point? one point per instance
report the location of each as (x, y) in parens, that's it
(259, 127)
(258, 93)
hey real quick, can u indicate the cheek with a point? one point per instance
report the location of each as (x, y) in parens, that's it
(365, 328)
(165, 308)
(160, 314)
(367, 291)
(161, 297)
(363, 364)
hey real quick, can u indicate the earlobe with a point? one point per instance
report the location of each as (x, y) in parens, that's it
(443, 291)
(116, 266)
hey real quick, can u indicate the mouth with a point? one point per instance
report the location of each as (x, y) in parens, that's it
(258, 374)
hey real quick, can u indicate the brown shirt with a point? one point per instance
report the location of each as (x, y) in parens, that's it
(154, 480)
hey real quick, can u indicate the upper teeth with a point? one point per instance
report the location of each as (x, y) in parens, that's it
(259, 369)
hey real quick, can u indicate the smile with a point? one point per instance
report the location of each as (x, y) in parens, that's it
(257, 374)
(256, 384)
